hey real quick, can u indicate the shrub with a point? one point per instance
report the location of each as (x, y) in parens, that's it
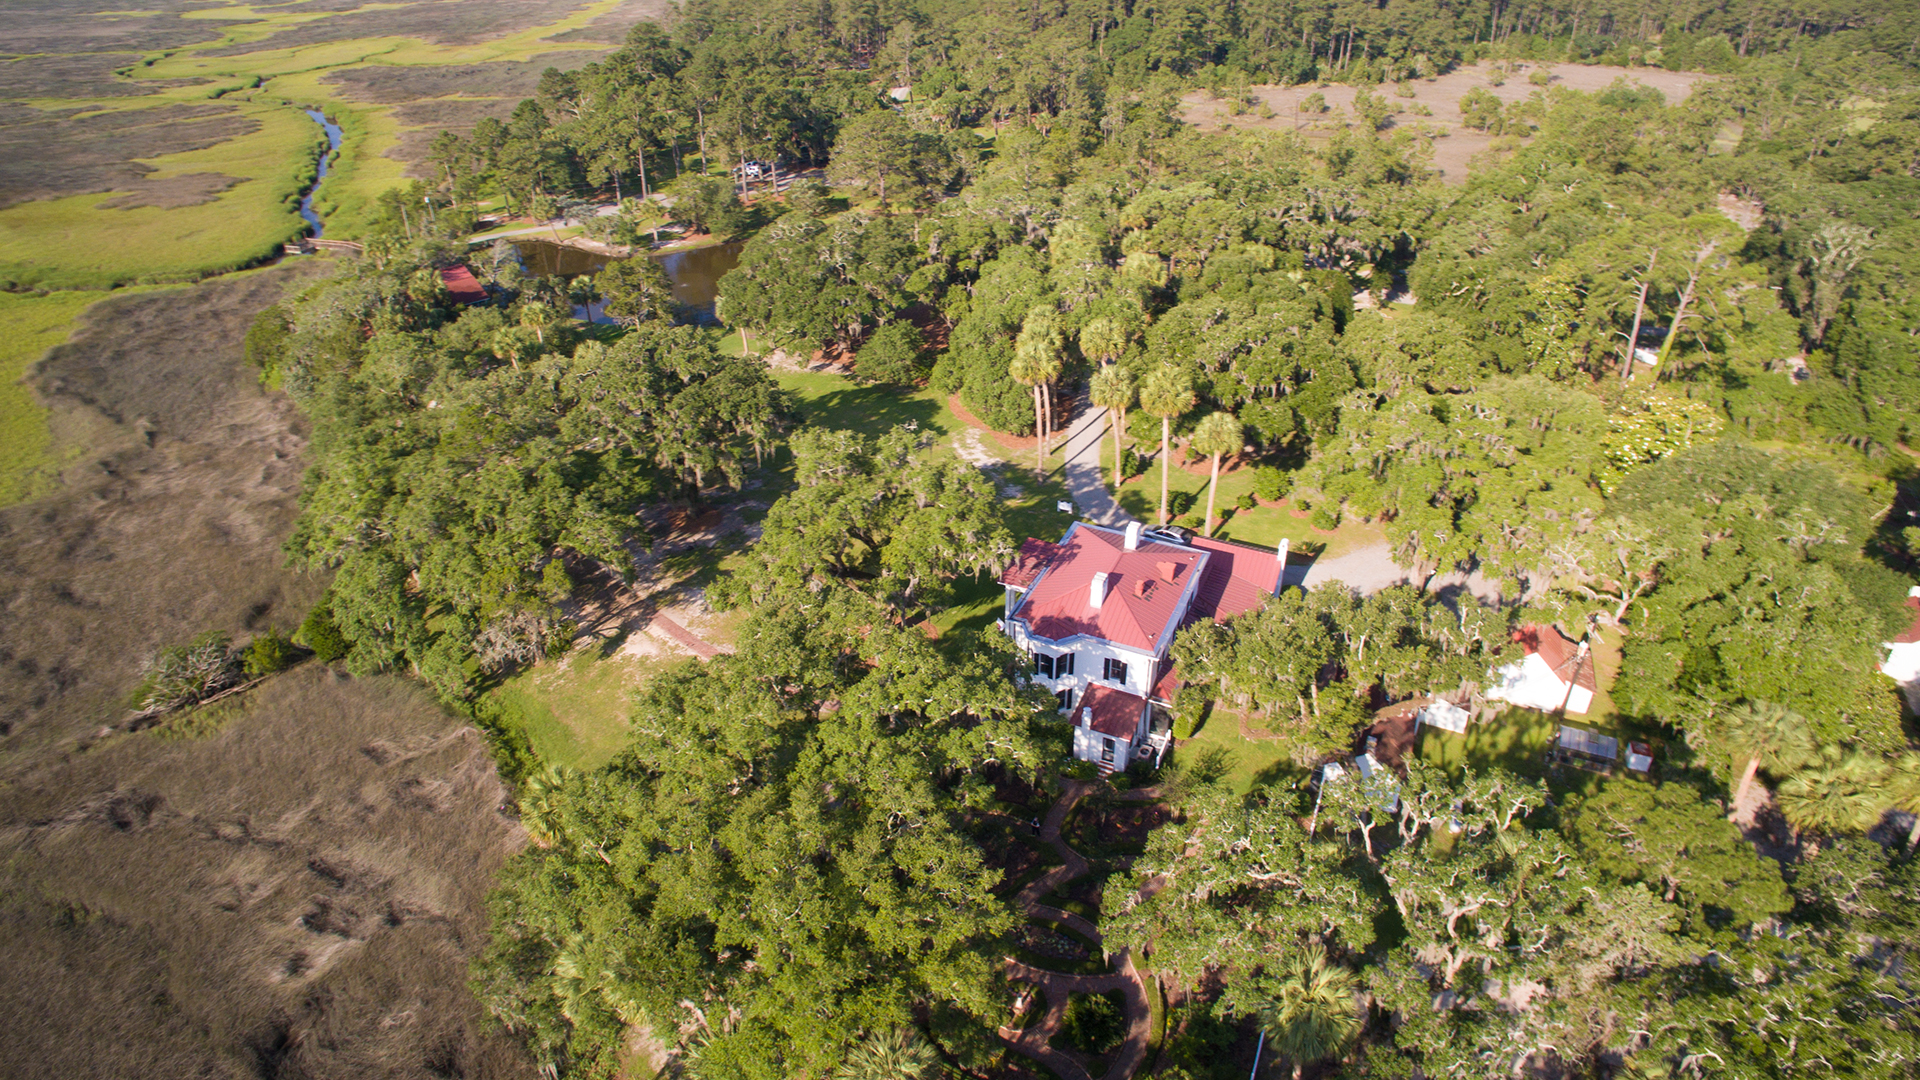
(267, 341)
(1094, 1023)
(894, 354)
(268, 653)
(1326, 516)
(1132, 463)
(322, 635)
(1247, 501)
(1180, 502)
(190, 673)
(1272, 484)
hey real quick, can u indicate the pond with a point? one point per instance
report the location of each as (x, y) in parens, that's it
(695, 274)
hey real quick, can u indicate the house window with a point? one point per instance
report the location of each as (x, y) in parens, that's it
(1053, 667)
(1066, 699)
(1106, 751)
(1114, 670)
(1043, 664)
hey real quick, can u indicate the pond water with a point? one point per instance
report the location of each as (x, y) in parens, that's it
(333, 147)
(694, 274)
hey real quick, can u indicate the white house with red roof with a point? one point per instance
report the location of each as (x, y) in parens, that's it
(1098, 611)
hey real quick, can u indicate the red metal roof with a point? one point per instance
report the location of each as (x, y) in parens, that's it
(1238, 579)
(1167, 685)
(461, 283)
(1912, 633)
(1115, 712)
(1562, 655)
(1033, 558)
(1140, 604)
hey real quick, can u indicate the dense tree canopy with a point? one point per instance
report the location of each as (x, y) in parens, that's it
(1649, 367)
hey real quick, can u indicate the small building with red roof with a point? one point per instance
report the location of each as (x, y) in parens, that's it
(1098, 611)
(1555, 673)
(463, 286)
(1903, 653)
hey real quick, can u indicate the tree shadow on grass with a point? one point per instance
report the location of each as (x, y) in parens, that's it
(871, 410)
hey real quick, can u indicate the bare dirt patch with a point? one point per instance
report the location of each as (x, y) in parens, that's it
(1454, 145)
(46, 155)
(294, 894)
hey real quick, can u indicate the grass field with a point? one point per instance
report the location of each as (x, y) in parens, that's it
(29, 326)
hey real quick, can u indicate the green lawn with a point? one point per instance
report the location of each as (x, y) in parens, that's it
(575, 711)
(1253, 763)
(1264, 525)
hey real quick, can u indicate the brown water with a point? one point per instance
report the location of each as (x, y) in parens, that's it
(695, 274)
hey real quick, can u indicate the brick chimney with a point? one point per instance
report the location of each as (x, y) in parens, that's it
(1167, 570)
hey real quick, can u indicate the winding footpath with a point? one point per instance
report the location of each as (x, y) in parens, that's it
(1033, 1041)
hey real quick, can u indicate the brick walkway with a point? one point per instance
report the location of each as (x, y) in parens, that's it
(700, 646)
(1033, 1041)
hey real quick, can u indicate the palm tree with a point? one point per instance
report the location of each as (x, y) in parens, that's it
(1167, 393)
(536, 316)
(540, 804)
(1113, 390)
(1764, 734)
(1838, 794)
(899, 1054)
(1312, 1016)
(1104, 338)
(1036, 363)
(1218, 435)
(1902, 792)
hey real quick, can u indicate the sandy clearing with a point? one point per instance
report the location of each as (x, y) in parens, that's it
(1454, 146)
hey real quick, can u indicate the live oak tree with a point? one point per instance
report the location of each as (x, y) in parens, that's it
(1763, 566)
(883, 516)
(1501, 475)
(777, 863)
(443, 481)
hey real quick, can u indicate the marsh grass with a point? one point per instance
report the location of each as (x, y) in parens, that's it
(288, 882)
(29, 326)
(78, 241)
